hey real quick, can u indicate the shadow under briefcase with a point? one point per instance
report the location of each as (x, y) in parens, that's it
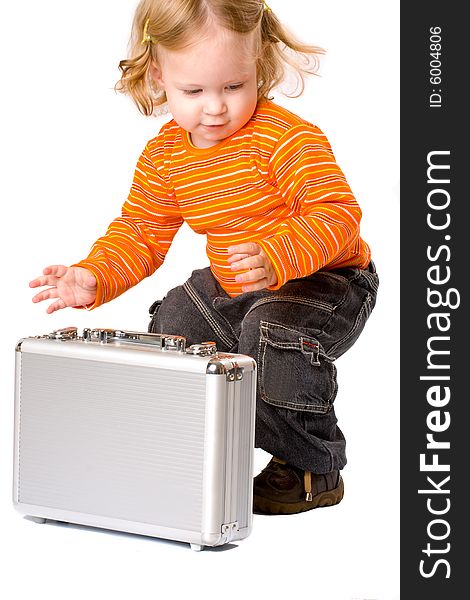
(135, 432)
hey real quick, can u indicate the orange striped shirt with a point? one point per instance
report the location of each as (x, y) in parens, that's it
(274, 182)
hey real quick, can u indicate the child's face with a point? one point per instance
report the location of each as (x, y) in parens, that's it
(211, 86)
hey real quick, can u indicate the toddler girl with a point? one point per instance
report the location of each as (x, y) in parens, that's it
(290, 282)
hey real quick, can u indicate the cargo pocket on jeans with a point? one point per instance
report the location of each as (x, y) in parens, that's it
(294, 372)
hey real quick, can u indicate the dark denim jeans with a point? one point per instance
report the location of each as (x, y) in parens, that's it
(294, 334)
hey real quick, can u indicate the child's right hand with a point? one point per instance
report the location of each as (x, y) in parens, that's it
(72, 286)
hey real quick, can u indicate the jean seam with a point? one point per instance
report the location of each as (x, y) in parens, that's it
(295, 300)
(338, 304)
(371, 279)
(366, 303)
(224, 319)
(201, 306)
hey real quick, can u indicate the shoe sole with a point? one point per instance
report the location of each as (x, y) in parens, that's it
(264, 506)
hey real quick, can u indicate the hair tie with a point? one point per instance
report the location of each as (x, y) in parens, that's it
(147, 38)
(266, 7)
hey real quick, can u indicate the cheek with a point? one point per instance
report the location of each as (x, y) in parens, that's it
(174, 101)
(249, 103)
(251, 96)
(184, 111)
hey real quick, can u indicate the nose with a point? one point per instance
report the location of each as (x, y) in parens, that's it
(215, 105)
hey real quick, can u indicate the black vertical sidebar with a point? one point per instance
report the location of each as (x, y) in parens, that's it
(435, 269)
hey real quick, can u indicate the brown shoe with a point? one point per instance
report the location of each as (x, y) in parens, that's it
(282, 489)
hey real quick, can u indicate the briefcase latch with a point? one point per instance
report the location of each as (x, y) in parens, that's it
(66, 333)
(203, 349)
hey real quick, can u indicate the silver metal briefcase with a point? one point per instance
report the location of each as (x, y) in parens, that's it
(135, 432)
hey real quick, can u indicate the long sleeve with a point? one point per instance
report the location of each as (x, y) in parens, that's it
(323, 228)
(136, 243)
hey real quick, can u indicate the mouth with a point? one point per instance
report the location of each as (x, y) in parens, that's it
(217, 126)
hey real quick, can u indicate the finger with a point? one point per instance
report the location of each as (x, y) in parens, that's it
(58, 305)
(251, 276)
(250, 248)
(261, 284)
(43, 280)
(237, 257)
(46, 295)
(252, 262)
(55, 270)
(49, 276)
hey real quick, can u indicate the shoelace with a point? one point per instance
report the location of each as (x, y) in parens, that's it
(308, 486)
(307, 480)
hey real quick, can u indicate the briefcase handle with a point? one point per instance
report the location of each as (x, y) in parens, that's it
(162, 341)
(158, 340)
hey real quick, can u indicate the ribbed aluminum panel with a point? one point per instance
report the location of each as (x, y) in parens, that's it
(245, 457)
(115, 440)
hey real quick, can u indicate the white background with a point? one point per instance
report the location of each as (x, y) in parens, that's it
(69, 145)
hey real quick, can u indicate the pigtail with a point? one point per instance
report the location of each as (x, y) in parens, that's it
(136, 81)
(281, 51)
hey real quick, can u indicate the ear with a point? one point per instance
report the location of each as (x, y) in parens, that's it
(156, 74)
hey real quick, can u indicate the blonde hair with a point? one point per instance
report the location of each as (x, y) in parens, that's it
(176, 24)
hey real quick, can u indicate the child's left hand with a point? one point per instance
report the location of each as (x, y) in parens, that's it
(251, 256)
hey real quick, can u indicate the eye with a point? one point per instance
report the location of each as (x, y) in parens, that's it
(191, 92)
(234, 87)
